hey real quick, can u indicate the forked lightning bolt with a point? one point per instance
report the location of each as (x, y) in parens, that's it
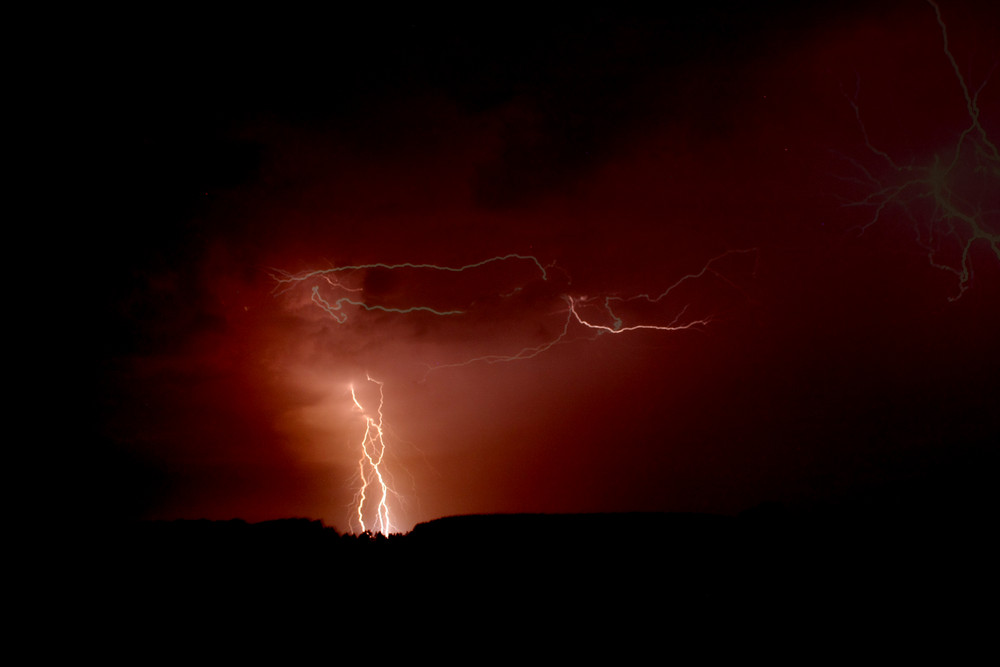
(371, 467)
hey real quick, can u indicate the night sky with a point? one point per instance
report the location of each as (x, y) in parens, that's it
(815, 170)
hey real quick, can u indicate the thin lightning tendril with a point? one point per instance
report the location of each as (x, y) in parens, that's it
(335, 308)
(287, 280)
(678, 323)
(956, 218)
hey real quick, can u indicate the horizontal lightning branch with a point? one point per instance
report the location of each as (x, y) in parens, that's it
(335, 309)
(286, 280)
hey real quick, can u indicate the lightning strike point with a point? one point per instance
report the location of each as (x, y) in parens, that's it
(371, 468)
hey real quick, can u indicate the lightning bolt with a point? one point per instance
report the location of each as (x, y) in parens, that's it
(370, 466)
(594, 315)
(956, 184)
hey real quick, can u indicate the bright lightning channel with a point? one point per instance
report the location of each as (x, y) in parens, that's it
(371, 467)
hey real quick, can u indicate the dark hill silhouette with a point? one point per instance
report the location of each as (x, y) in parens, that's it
(554, 527)
(911, 554)
(785, 569)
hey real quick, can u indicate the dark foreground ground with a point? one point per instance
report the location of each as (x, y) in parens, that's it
(776, 574)
(907, 570)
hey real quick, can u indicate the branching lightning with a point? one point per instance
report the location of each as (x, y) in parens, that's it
(339, 292)
(959, 186)
(677, 323)
(370, 467)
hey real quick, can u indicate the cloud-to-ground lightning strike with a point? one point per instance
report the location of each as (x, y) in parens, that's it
(960, 187)
(596, 315)
(370, 466)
